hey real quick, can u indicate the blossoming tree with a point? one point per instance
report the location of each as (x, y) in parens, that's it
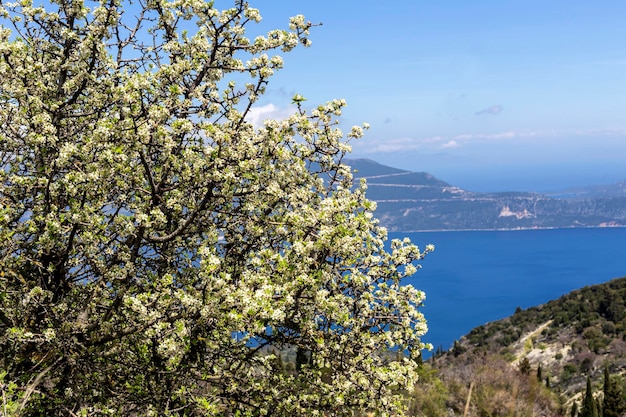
(157, 251)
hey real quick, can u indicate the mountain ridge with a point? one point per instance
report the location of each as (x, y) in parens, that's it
(417, 201)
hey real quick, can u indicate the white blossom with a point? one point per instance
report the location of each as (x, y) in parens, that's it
(154, 238)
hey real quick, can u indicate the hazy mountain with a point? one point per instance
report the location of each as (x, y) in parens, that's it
(414, 201)
(592, 191)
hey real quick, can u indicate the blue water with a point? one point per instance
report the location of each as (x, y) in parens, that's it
(476, 277)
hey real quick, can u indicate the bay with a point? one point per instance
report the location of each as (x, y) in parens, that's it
(475, 277)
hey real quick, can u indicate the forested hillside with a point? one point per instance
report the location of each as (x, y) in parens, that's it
(537, 361)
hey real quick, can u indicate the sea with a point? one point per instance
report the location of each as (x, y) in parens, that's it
(475, 277)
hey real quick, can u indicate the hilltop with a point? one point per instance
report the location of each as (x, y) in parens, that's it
(571, 337)
(538, 359)
(417, 201)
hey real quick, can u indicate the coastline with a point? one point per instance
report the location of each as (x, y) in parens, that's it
(476, 278)
(517, 229)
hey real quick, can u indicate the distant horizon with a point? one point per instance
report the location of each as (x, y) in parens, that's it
(489, 96)
(542, 179)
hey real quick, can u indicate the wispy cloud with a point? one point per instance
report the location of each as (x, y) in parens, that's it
(493, 109)
(443, 142)
(450, 144)
(608, 132)
(393, 145)
(511, 134)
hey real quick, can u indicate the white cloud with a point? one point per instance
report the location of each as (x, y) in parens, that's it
(391, 145)
(608, 132)
(491, 136)
(444, 142)
(258, 114)
(434, 139)
(450, 144)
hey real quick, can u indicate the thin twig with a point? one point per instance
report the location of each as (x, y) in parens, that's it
(31, 387)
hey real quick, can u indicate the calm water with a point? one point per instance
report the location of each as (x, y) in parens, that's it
(476, 277)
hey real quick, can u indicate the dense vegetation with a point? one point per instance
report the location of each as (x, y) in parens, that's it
(565, 357)
(596, 313)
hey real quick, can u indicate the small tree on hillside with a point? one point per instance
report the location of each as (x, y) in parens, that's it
(524, 366)
(588, 407)
(613, 404)
(154, 244)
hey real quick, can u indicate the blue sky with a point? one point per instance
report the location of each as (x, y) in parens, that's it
(487, 95)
